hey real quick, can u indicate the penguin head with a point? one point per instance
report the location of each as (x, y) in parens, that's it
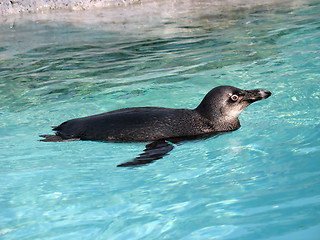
(227, 102)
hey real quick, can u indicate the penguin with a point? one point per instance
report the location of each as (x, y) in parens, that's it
(217, 113)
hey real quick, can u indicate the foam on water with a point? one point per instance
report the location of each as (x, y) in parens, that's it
(259, 182)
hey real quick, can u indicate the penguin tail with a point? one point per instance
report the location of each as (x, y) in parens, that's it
(56, 138)
(51, 138)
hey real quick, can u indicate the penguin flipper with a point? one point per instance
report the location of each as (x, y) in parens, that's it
(153, 151)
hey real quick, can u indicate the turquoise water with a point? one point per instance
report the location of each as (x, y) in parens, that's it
(259, 182)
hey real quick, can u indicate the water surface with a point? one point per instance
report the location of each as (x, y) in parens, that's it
(259, 182)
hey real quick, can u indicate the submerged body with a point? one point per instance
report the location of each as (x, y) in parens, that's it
(218, 112)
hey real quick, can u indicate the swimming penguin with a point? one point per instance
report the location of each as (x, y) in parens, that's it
(163, 127)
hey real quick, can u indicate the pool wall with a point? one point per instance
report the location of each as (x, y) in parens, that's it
(20, 6)
(8, 7)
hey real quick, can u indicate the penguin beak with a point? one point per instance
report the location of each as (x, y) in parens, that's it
(256, 95)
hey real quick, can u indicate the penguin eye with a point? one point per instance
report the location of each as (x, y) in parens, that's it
(234, 97)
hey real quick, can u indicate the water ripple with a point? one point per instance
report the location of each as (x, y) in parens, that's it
(261, 180)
